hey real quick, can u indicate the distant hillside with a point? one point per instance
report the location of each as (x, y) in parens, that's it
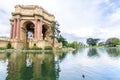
(4, 37)
(73, 37)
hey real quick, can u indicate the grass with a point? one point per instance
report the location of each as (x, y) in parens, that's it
(96, 47)
(48, 48)
(2, 48)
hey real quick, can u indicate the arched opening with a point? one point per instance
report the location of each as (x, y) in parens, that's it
(30, 29)
(28, 32)
(44, 30)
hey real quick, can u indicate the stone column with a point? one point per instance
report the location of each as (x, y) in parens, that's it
(18, 28)
(38, 27)
(11, 32)
(35, 30)
(14, 29)
(40, 30)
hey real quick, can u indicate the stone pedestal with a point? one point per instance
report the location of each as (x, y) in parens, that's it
(17, 44)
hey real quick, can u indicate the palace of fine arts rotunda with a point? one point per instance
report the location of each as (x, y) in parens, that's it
(30, 25)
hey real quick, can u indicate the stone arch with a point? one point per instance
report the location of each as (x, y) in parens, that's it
(45, 30)
(28, 27)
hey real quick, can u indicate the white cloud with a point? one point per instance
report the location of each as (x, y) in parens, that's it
(4, 30)
(84, 18)
(115, 16)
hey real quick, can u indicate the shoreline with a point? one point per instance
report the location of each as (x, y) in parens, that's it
(19, 50)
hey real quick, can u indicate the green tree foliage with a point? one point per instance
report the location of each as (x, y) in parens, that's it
(92, 52)
(9, 45)
(74, 45)
(112, 42)
(48, 48)
(55, 31)
(62, 40)
(114, 52)
(35, 47)
(92, 42)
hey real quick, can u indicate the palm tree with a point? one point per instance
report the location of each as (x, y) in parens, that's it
(55, 31)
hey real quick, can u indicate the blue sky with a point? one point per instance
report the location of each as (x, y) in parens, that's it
(78, 19)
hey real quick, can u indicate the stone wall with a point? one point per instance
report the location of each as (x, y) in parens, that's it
(3, 43)
(17, 44)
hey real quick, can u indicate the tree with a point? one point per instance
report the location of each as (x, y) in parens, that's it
(9, 45)
(101, 43)
(92, 42)
(74, 45)
(55, 31)
(112, 42)
(92, 52)
(62, 40)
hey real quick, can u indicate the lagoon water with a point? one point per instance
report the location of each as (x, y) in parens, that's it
(84, 64)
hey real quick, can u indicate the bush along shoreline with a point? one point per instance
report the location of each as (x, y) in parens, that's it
(9, 48)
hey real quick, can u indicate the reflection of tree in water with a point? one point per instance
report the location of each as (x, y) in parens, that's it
(27, 72)
(48, 68)
(57, 68)
(92, 52)
(80, 50)
(113, 52)
(62, 56)
(3, 57)
(8, 54)
(28, 66)
(74, 52)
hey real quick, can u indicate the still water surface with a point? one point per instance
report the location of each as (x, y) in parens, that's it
(84, 64)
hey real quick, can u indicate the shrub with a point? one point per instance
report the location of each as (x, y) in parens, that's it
(48, 48)
(9, 45)
(2, 48)
(58, 48)
(8, 54)
(40, 48)
(35, 47)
